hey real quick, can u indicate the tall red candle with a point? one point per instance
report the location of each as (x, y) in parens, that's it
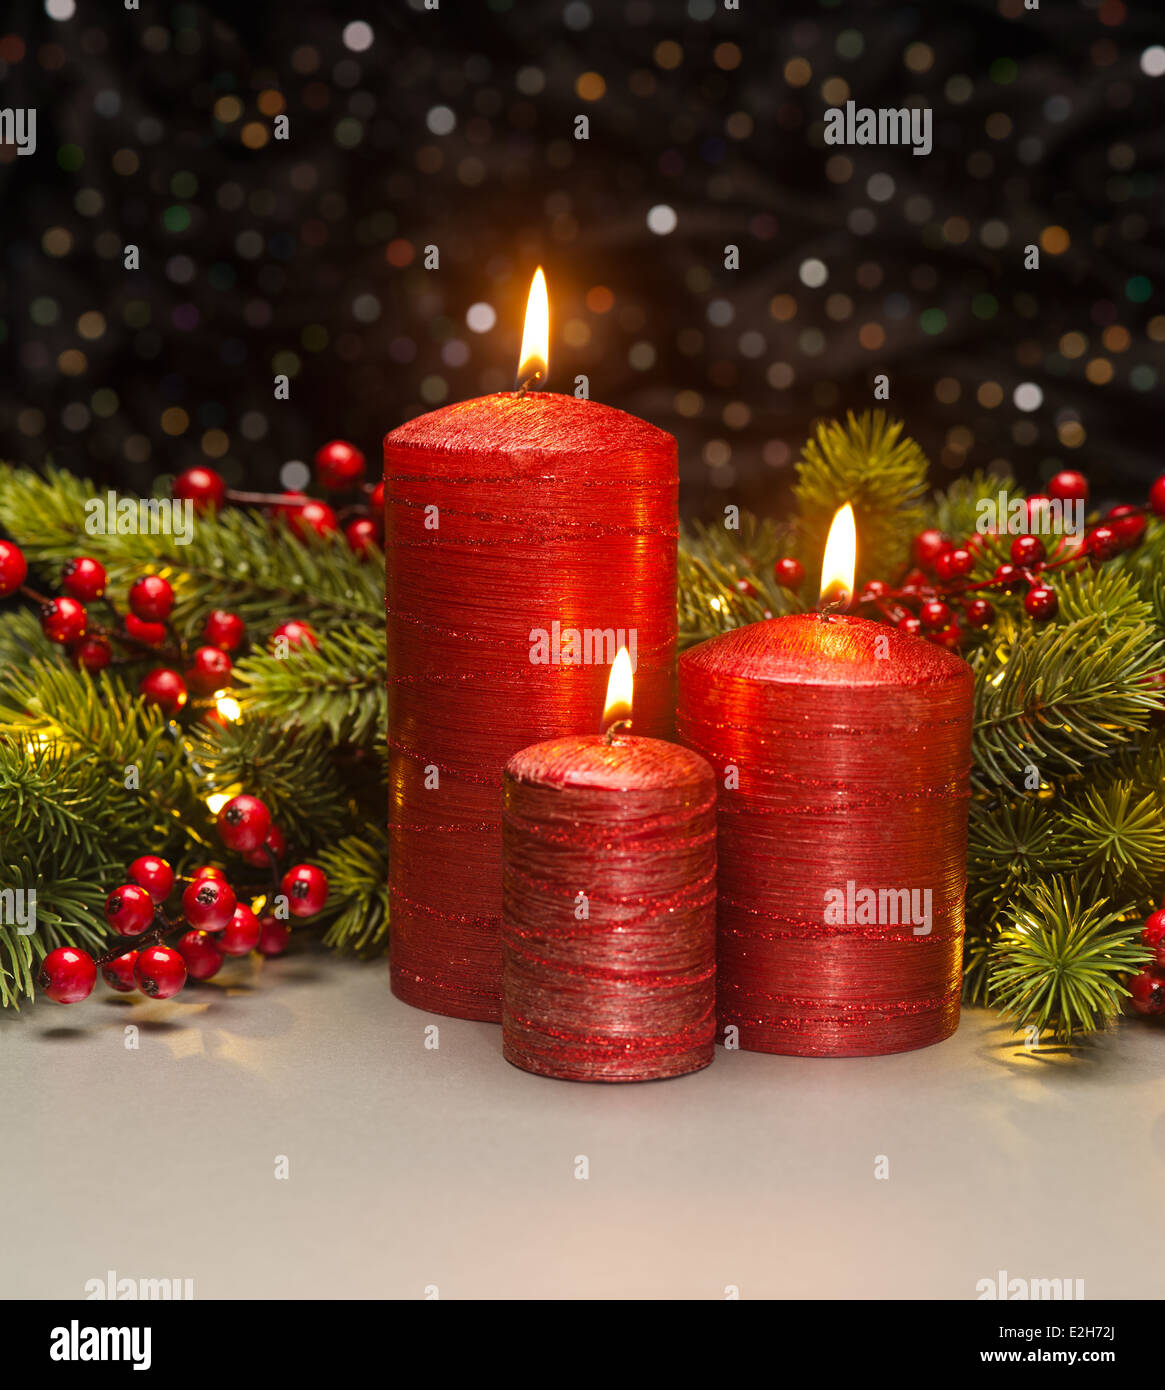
(527, 536)
(843, 749)
(609, 935)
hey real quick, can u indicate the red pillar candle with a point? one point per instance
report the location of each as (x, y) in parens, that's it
(528, 535)
(609, 909)
(843, 753)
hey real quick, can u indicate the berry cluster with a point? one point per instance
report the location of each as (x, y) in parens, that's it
(213, 922)
(1148, 988)
(339, 468)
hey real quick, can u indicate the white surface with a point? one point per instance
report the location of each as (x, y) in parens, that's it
(411, 1167)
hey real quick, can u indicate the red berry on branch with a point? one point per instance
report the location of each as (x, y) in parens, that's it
(1153, 935)
(1069, 486)
(129, 910)
(209, 903)
(207, 871)
(152, 634)
(875, 589)
(164, 688)
(151, 597)
(339, 466)
(789, 573)
(746, 587)
(1008, 577)
(979, 612)
(927, 546)
(241, 934)
(934, 614)
(202, 486)
(1157, 496)
(1129, 525)
(295, 633)
(63, 620)
(376, 498)
(276, 842)
(909, 624)
(913, 579)
(91, 654)
(1041, 602)
(159, 972)
(1027, 550)
(210, 670)
(153, 874)
(118, 973)
(950, 637)
(83, 578)
(13, 568)
(362, 535)
(1103, 543)
(201, 954)
(1036, 511)
(954, 564)
(224, 629)
(243, 823)
(1148, 992)
(67, 975)
(306, 889)
(304, 514)
(273, 936)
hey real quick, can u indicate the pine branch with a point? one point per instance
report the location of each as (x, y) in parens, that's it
(714, 563)
(956, 512)
(357, 870)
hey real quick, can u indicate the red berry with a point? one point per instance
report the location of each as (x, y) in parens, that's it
(152, 634)
(164, 688)
(243, 823)
(241, 934)
(224, 629)
(909, 624)
(306, 889)
(295, 632)
(210, 670)
(63, 620)
(159, 972)
(1148, 992)
(979, 613)
(151, 597)
(129, 910)
(153, 874)
(202, 486)
(875, 589)
(934, 614)
(1036, 508)
(118, 973)
(276, 842)
(1069, 486)
(362, 535)
(1027, 550)
(1128, 524)
(746, 587)
(950, 637)
(208, 903)
(83, 578)
(789, 573)
(13, 568)
(954, 564)
(1103, 543)
(1157, 496)
(273, 936)
(928, 546)
(913, 579)
(91, 654)
(207, 871)
(67, 975)
(305, 514)
(201, 954)
(1153, 934)
(1041, 602)
(1008, 577)
(376, 498)
(339, 465)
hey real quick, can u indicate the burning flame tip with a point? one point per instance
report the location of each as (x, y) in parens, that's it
(620, 690)
(534, 360)
(840, 561)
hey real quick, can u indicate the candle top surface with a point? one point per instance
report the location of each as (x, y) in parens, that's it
(627, 763)
(540, 423)
(807, 649)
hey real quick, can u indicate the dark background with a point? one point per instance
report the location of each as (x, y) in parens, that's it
(305, 256)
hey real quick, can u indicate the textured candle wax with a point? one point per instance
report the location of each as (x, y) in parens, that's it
(527, 537)
(842, 750)
(609, 909)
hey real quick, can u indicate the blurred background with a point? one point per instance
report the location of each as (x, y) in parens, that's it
(455, 128)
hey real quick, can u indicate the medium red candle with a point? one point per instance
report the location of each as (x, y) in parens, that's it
(609, 925)
(843, 749)
(528, 535)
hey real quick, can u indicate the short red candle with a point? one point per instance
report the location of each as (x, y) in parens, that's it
(851, 746)
(507, 516)
(609, 897)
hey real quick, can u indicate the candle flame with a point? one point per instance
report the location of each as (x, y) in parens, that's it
(619, 690)
(841, 556)
(534, 362)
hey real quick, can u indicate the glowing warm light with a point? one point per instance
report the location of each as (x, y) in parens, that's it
(229, 708)
(619, 690)
(534, 362)
(841, 557)
(216, 801)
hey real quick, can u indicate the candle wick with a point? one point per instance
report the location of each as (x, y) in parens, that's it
(530, 384)
(615, 728)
